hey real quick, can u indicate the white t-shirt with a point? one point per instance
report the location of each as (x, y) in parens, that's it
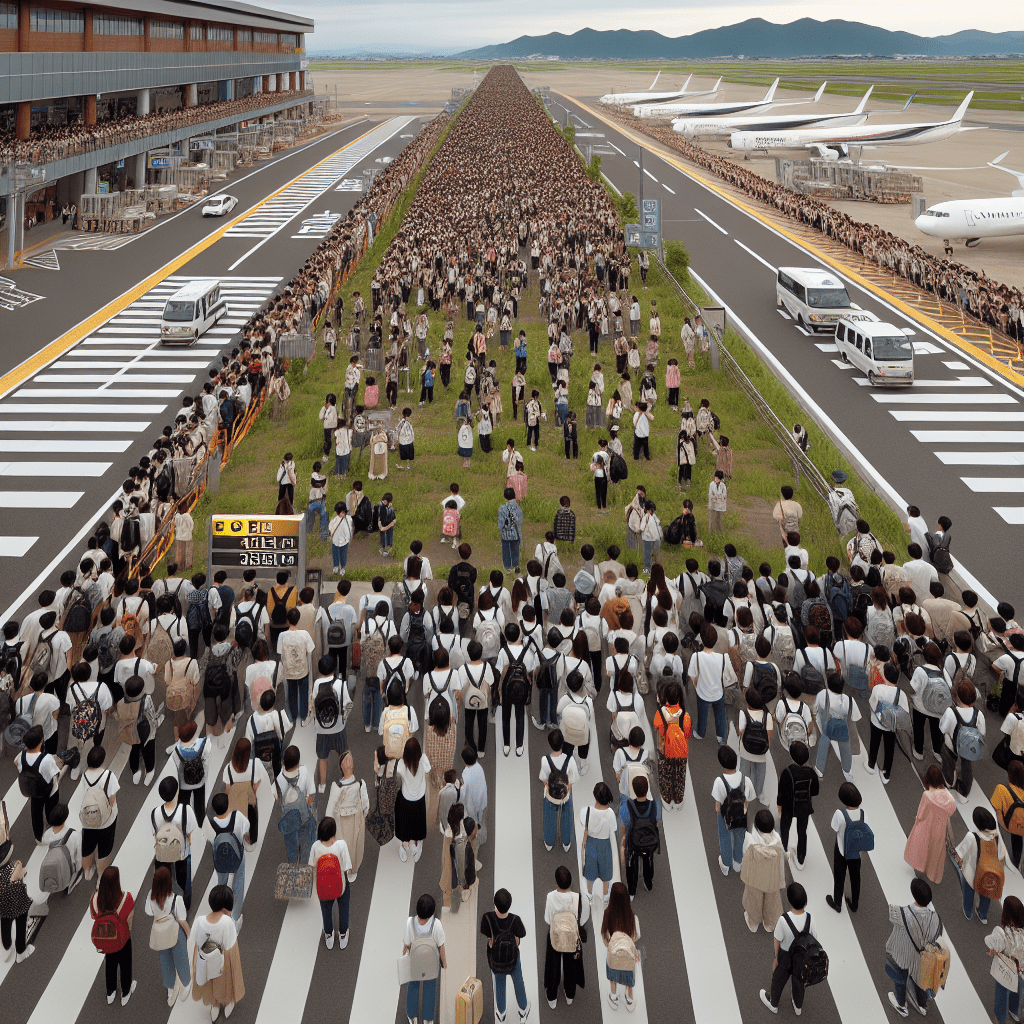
(783, 932)
(240, 827)
(294, 646)
(571, 901)
(445, 682)
(624, 756)
(414, 929)
(414, 786)
(174, 904)
(710, 672)
(46, 705)
(257, 670)
(339, 849)
(223, 932)
(369, 602)
(300, 777)
(104, 779)
(561, 760)
(947, 724)
(839, 825)
(600, 824)
(827, 699)
(736, 780)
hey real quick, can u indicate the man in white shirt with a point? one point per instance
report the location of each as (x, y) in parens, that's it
(58, 660)
(230, 850)
(710, 673)
(513, 652)
(331, 705)
(44, 708)
(83, 690)
(788, 927)
(917, 527)
(562, 966)
(266, 730)
(294, 646)
(963, 723)
(368, 602)
(129, 665)
(920, 573)
(39, 771)
(442, 682)
(558, 774)
(642, 419)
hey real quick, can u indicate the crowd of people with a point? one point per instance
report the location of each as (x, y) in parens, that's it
(997, 305)
(48, 142)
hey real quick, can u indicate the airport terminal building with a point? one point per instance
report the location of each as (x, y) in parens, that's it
(64, 65)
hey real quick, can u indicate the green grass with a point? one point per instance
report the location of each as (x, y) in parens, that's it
(761, 466)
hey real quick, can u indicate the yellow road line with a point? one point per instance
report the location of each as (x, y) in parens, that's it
(908, 310)
(68, 340)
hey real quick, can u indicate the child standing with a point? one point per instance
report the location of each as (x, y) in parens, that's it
(672, 382)
(465, 442)
(485, 426)
(570, 435)
(406, 440)
(386, 519)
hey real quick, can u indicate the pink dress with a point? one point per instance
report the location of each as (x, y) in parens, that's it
(672, 377)
(926, 846)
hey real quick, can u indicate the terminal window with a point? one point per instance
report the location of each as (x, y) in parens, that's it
(289, 39)
(8, 15)
(197, 33)
(266, 37)
(45, 19)
(245, 35)
(166, 30)
(108, 25)
(222, 35)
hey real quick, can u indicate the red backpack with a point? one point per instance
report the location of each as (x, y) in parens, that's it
(110, 930)
(330, 883)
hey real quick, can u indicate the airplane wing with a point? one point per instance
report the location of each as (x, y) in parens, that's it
(1019, 175)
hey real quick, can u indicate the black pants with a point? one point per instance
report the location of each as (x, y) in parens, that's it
(569, 748)
(446, 374)
(121, 960)
(476, 726)
(534, 433)
(559, 967)
(785, 820)
(634, 861)
(840, 866)
(197, 797)
(601, 491)
(685, 472)
(20, 925)
(328, 432)
(918, 718)
(1015, 844)
(183, 876)
(59, 687)
(595, 668)
(888, 741)
(673, 397)
(507, 707)
(40, 811)
(485, 442)
(783, 972)
(521, 364)
(193, 639)
(253, 815)
(426, 393)
(148, 756)
(572, 445)
(553, 370)
(641, 444)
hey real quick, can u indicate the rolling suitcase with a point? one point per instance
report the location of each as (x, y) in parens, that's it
(469, 1003)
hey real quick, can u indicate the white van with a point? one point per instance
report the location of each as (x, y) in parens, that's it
(815, 298)
(190, 311)
(885, 353)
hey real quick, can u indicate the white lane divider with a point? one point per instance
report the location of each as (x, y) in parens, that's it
(717, 227)
(762, 260)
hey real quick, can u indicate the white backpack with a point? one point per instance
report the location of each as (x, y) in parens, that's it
(564, 932)
(575, 723)
(624, 719)
(96, 810)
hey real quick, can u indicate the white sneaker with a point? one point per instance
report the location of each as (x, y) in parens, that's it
(111, 996)
(172, 993)
(229, 1009)
(183, 993)
(417, 853)
(918, 757)
(848, 776)
(137, 777)
(722, 867)
(170, 749)
(523, 1014)
(329, 940)
(128, 995)
(351, 876)
(76, 773)
(869, 769)
(797, 1009)
(737, 866)
(22, 957)
(937, 756)
(343, 941)
(584, 768)
(885, 779)
(767, 1002)
(519, 751)
(506, 751)
(403, 854)
(148, 780)
(553, 1003)
(536, 724)
(9, 953)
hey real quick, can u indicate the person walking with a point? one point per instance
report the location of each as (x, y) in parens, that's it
(112, 911)
(763, 874)
(1006, 948)
(963, 728)
(672, 723)
(979, 861)
(216, 961)
(600, 824)
(798, 786)
(853, 836)
(732, 793)
(296, 791)
(504, 931)
(886, 701)
(834, 711)
(642, 419)
(789, 926)
(925, 851)
(15, 903)
(600, 462)
(349, 804)
(39, 778)
(169, 934)
(340, 531)
(913, 927)
(620, 928)
(510, 530)
(411, 801)
(424, 946)
(228, 834)
(718, 499)
(330, 859)
(566, 914)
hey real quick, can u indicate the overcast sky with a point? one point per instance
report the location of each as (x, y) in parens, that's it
(452, 25)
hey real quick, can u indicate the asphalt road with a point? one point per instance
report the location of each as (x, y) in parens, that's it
(947, 445)
(70, 432)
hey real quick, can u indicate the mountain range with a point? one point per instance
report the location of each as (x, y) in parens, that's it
(752, 38)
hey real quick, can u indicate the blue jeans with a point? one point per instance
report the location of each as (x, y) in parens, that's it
(1006, 1000)
(561, 412)
(499, 982)
(174, 961)
(900, 976)
(509, 553)
(298, 698)
(547, 702)
(387, 538)
(721, 723)
(555, 813)
(318, 508)
(648, 554)
(373, 703)
(297, 844)
(341, 463)
(327, 912)
(340, 556)
(237, 887)
(412, 999)
(825, 745)
(730, 843)
(969, 894)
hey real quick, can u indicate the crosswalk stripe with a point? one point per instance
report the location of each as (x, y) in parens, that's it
(959, 382)
(104, 427)
(61, 469)
(908, 397)
(969, 436)
(29, 446)
(998, 484)
(958, 416)
(105, 365)
(15, 547)
(134, 378)
(95, 393)
(30, 408)
(981, 458)
(165, 353)
(1014, 515)
(39, 499)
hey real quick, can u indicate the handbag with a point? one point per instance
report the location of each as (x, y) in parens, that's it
(209, 962)
(164, 933)
(294, 882)
(1002, 755)
(1005, 972)
(380, 822)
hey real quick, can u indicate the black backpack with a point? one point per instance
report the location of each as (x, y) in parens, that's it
(337, 635)
(715, 593)
(558, 780)
(78, 617)
(227, 600)
(325, 705)
(245, 628)
(546, 674)
(217, 681)
(938, 552)
(130, 537)
(644, 836)
(30, 779)
(734, 812)
(755, 736)
(809, 959)
(439, 695)
(617, 468)
(279, 613)
(674, 531)
(765, 681)
(516, 683)
(802, 800)
(417, 649)
(504, 949)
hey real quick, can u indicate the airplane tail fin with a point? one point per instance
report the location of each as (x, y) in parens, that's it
(909, 101)
(821, 90)
(717, 85)
(863, 102)
(770, 94)
(962, 109)
(1019, 175)
(655, 82)
(682, 88)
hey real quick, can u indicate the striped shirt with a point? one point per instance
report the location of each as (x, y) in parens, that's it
(903, 945)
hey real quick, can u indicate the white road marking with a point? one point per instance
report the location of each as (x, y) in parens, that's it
(35, 446)
(959, 382)
(958, 416)
(667, 189)
(910, 398)
(760, 259)
(981, 458)
(843, 366)
(103, 427)
(969, 436)
(61, 469)
(926, 348)
(55, 408)
(651, 176)
(127, 378)
(718, 227)
(15, 547)
(806, 333)
(1014, 515)
(39, 499)
(995, 484)
(105, 365)
(823, 346)
(781, 312)
(26, 392)
(955, 365)
(616, 148)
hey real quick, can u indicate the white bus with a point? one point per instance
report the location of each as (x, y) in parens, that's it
(884, 353)
(816, 299)
(190, 311)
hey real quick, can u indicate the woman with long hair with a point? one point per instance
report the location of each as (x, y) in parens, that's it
(216, 943)
(925, 851)
(112, 911)
(520, 595)
(170, 933)
(1007, 944)
(243, 777)
(411, 800)
(620, 928)
(442, 727)
(349, 804)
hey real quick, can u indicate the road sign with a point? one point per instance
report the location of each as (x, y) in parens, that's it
(267, 544)
(198, 144)
(639, 238)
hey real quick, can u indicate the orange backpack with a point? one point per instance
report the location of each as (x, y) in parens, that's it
(988, 875)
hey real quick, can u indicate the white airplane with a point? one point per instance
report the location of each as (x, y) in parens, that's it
(625, 98)
(975, 219)
(708, 109)
(831, 143)
(696, 128)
